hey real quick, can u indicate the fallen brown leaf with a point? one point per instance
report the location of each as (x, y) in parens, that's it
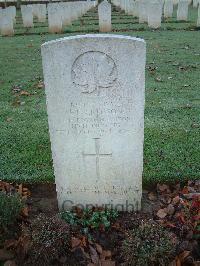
(183, 256)
(176, 262)
(175, 200)
(94, 256)
(75, 242)
(99, 248)
(25, 211)
(162, 213)
(84, 242)
(185, 190)
(173, 263)
(40, 85)
(19, 190)
(162, 187)
(170, 209)
(106, 254)
(165, 199)
(152, 196)
(25, 93)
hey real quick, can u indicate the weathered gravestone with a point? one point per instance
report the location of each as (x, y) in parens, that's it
(96, 114)
(42, 12)
(195, 3)
(182, 10)
(66, 13)
(27, 15)
(1, 13)
(154, 14)
(117, 3)
(143, 11)
(55, 14)
(12, 12)
(135, 12)
(74, 13)
(127, 6)
(133, 8)
(168, 8)
(6, 23)
(198, 19)
(104, 12)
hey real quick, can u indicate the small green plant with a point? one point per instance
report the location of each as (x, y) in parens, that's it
(11, 205)
(148, 245)
(89, 219)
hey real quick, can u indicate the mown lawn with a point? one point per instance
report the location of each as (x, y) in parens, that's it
(172, 126)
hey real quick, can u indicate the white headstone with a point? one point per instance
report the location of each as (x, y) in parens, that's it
(154, 14)
(73, 10)
(122, 4)
(27, 15)
(198, 19)
(96, 114)
(182, 11)
(66, 15)
(135, 12)
(54, 18)
(1, 13)
(116, 3)
(104, 12)
(42, 13)
(35, 10)
(6, 23)
(12, 11)
(168, 8)
(133, 8)
(143, 11)
(127, 7)
(195, 3)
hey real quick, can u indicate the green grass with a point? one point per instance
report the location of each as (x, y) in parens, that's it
(172, 126)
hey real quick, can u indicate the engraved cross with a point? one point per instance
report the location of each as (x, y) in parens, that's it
(98, 155)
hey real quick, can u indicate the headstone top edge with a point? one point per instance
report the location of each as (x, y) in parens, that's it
(93, 36)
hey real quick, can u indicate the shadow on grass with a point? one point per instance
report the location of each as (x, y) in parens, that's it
(60, 33)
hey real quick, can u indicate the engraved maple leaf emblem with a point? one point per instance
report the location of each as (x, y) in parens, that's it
(94, 70)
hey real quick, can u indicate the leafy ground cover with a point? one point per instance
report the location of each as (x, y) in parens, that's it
(165, 232)
(172, 98)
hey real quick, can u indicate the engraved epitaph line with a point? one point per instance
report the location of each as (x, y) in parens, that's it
(97, 155)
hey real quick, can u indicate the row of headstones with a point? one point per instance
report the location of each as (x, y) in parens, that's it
(151, 11)
(62, 14)
(59, 15)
